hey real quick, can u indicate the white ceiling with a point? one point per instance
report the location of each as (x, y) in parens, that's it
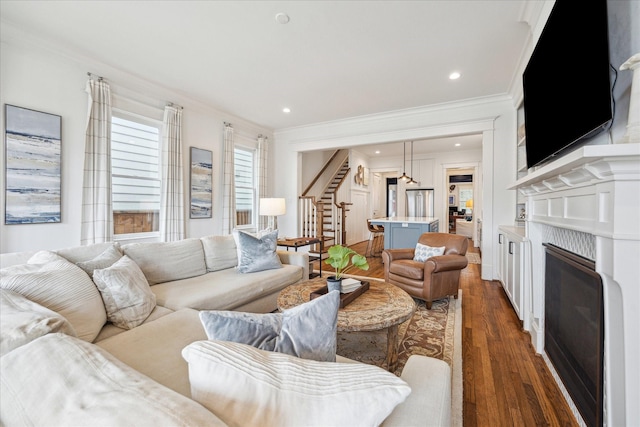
(333, 60)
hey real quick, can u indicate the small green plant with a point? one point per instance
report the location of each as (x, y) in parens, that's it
(342, 259)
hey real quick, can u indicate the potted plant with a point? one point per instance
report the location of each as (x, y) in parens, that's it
(342, 259)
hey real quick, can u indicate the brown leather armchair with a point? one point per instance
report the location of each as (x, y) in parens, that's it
(437, 277)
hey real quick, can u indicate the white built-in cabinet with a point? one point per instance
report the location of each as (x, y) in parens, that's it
(514, 269)
(521, 165)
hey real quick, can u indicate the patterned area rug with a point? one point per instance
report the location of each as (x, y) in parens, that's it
(428, 332)
(474, 258)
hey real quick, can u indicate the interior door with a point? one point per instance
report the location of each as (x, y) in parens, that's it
(357, 230)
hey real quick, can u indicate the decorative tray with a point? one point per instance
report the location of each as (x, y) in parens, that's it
(345, 299)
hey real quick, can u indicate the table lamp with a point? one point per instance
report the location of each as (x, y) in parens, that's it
(272, 207)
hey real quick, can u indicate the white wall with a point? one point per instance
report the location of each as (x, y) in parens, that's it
(53, 81)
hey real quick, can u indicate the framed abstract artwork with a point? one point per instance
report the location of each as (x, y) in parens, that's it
(32, 166)
(201, 183)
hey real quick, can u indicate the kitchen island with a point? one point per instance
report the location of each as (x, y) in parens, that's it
(404, 231)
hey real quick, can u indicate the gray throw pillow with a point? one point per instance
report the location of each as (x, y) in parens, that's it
(258, 254)
(125, 291)
(307, 331)
(106, 259)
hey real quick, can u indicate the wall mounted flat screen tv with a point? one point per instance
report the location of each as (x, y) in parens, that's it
(566, 84)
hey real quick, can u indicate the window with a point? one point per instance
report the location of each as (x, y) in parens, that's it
(466, 193)
(244, 161)
(135, 174)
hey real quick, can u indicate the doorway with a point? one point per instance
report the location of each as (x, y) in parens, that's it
(463, 201)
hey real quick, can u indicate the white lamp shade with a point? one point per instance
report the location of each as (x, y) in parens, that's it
(272, 206)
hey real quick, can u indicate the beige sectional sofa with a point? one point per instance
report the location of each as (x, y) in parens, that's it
(55, 373)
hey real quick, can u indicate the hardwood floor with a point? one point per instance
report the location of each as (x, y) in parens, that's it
(505, 382)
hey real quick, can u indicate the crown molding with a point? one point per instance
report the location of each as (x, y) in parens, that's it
(419, 122)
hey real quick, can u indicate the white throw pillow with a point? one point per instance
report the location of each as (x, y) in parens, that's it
(58, 380)
(245, 386)
(23, 321)
(424, 252)
(126, 293)
(104, 260)
(64, 288)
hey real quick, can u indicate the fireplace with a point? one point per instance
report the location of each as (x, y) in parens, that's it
(574, 328)
(584, 203)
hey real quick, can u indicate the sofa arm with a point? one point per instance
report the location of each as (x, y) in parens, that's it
(429, 403)
(296, 258)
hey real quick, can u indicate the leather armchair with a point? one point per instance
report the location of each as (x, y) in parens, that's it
(437, 277)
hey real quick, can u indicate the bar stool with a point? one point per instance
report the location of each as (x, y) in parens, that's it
(376, 240)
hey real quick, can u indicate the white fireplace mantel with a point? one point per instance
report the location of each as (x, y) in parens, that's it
(589, 201)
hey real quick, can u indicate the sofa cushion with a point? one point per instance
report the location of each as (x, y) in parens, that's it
(32, 264)
(64, 288)
(286, 332)
(104, 260)
(22, 321)
(125, 293)
(58, 380)
(85, 253)
(167, 261)
(220, 252)
(424, 252)
(154, 348)
(109, 330)
(224, 289)
(43, 257)
(430, 382)
(257, 253)
(245, 386)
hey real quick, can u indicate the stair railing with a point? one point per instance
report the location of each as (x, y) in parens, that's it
(312, 213)
(308, 213)
(311, 223)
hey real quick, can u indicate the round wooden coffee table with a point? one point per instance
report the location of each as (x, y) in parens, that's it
(382, 306)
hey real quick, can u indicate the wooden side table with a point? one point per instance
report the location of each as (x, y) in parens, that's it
(297, 242)
(383, 306)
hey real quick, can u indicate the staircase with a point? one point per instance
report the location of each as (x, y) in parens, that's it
(323, 216)
(330, 216)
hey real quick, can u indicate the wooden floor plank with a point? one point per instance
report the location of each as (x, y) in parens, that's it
(505, 383)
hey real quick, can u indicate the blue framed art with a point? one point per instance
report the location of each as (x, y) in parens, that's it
(32, 166)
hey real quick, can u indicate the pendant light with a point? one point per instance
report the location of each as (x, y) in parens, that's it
(411, 181)
(404, 176)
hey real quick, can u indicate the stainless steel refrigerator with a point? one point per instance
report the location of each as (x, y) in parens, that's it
(419, 202)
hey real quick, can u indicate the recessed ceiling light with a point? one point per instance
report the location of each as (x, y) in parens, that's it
(377, 151)
(286, 110)
(458, 144)
(455, 75)
(282, 18)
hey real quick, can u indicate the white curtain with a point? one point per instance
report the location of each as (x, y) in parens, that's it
(171, 199)
(263, 151)
(97, 212)
(229, 196)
